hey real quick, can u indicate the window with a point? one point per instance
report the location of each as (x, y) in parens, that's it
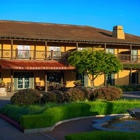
(110, 79)
(23, 51)
(108, 50)
(134, 55)
(56, 51)
(135, 78)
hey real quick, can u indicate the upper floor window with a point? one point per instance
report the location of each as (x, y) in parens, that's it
(134, 55)
(56, 51)
(23, 51)
(108, 50)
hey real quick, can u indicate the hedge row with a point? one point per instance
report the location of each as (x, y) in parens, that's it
(103, 135)
(53, 115)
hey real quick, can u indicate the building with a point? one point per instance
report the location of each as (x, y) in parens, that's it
(32, 54)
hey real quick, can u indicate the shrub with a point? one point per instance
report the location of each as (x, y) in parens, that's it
(53, 96)
(55, 114)
(103, 135)
(106, 93)
(49, 96)
(74, 94)
(26, 97)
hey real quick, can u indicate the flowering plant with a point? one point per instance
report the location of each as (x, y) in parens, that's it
(2, 83)
(77, 82)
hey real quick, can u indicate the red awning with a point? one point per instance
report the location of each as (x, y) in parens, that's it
(33, 65)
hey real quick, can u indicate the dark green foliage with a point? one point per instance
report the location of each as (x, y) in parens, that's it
(55, 114)
(108, 93)
(26, 97)
(53, 96)
(49, 96)
(128, 88)
(103, 135)
(94, 62)
(41, 116)
(74, 94)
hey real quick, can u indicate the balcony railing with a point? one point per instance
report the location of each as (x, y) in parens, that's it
(53, 55)
(31, 54)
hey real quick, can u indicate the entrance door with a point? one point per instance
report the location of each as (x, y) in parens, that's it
(23, 80)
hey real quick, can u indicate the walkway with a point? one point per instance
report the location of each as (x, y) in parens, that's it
(8, 132)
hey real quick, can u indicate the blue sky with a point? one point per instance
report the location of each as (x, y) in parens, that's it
(97, 13)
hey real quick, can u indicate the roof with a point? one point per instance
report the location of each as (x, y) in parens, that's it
(59, 32)
(33, 65)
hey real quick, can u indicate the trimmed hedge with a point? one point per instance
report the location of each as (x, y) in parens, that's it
(55, 114)
(103, 135)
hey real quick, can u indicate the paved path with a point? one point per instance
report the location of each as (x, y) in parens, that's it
(8, 132)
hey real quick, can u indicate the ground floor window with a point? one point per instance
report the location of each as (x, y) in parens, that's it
(135, 78)
(83, 78)
(110, 79)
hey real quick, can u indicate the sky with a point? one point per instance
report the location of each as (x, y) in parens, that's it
(102, 14)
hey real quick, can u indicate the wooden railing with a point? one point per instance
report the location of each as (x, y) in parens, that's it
(31, 54)
(53, 55)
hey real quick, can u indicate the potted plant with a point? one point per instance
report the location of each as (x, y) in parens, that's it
(77, 83)
(2, 88)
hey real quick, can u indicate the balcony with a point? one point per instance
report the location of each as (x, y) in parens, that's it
(54, 55)
(31, 54)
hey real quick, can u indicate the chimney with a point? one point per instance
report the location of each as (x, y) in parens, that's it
(118, 32)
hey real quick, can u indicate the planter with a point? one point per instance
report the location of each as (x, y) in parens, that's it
(3, 91)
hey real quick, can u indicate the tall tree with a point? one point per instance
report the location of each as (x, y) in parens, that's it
(94, 62)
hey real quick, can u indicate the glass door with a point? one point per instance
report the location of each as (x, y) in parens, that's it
(23, 80)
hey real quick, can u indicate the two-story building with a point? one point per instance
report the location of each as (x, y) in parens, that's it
(34, 54)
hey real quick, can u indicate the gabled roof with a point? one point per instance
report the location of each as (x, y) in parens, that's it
(60, 32)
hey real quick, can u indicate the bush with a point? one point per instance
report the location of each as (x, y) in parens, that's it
(55, 114)
(103, 135)
(108, 93)
(74, 94)
(53, 96)
(26, 97)
(49, 96)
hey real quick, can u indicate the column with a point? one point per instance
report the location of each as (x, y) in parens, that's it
(46, 86)
(76, 45)
(12, 85)
(34, 52)
(45, 50)
(11, 48)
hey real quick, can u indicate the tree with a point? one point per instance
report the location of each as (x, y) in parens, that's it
(94, 62)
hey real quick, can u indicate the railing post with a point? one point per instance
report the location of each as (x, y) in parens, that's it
(34, 52)
(2, 51)
(11, 48)
(16, 53)
(51, 54)
(45, 50)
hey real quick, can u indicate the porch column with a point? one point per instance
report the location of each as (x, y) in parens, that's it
(105, 74)
(130, 76)
(76, 45)
(34, 52)
(11, 48)
(62, 78)
(12, 81)
(130, 53)
(45, 50)
(105, 47)
(2, 51)
(46, 86)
